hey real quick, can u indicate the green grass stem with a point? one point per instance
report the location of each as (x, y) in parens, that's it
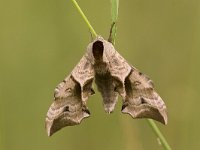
(84, 18)
(114, 17)
(159, 134)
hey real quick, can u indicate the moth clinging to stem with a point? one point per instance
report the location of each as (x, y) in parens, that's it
(113, 76)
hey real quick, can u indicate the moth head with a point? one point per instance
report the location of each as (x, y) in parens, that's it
(99, 50)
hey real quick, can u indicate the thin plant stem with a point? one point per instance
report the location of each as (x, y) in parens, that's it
(159, 134)
(114, 14)
(84, 18)
(114, 17)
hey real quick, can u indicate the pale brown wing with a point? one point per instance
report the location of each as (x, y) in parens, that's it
(67, 108)
(118, 67)
(83, 73)
(142, 101)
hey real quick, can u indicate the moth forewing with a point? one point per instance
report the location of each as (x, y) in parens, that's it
(69, 106)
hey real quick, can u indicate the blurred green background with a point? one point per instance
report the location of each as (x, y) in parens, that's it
(41, 42)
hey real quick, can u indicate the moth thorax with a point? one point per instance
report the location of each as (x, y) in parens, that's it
(101, 68)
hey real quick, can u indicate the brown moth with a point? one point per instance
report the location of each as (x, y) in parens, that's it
(113, 76)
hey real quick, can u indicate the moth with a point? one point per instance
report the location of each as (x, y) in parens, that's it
(113, 76)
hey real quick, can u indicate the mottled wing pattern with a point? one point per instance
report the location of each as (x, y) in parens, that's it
(119, 70)
(118, 67)
(141, 100)
(83, 72)
(69, 106)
